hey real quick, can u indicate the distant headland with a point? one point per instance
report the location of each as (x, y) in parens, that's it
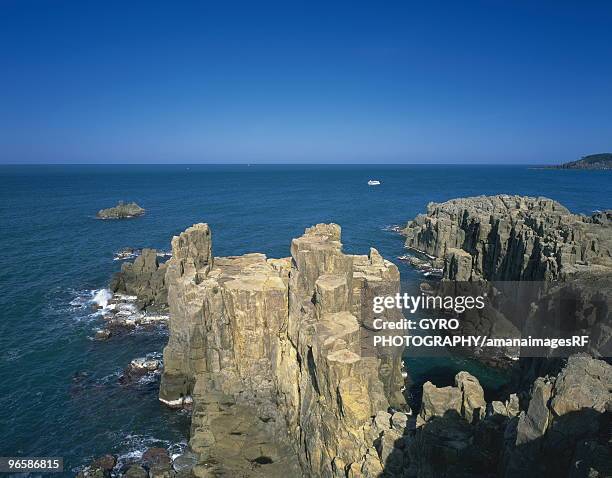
(592, 161)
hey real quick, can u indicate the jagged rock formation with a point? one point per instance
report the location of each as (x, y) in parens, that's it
(549, 271)
(273, 355)
(121, 211)
(281, 341)
(144, 278)
(563, 431)
(503, 238)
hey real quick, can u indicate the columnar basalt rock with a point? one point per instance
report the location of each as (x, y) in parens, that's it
(563, 430)
(281, 340)
(536, 257)
(511, 238)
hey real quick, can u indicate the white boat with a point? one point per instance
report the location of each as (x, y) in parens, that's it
(373, 182)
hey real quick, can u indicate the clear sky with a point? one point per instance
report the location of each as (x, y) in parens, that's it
(496, 81)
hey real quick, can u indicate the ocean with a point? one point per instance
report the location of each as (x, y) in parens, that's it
(59, 389)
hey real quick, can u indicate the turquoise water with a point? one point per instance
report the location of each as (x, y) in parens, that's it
(54, 253)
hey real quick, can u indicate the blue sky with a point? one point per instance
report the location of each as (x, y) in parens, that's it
(391, 82)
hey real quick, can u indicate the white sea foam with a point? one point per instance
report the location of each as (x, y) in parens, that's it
(110, 378)
(393, 228)
(80, 301)
(150, 377)
(177, 449)
(179, 402)
(136, 446)
(101, 297)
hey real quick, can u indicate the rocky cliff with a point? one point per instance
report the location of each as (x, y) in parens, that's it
(271, 352)
(562, 430)
(551, 274)
(547, 271)
(143, 278)
(512, 238)
(272, 355)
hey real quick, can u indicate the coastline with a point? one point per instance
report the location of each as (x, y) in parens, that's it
(103, 243)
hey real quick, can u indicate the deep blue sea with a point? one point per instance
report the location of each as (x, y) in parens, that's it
(55, 254)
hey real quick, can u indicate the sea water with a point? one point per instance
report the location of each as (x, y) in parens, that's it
(59, 389)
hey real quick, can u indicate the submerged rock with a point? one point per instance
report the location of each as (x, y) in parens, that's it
(122, 315)
(99, 468)
(103, 334)
(157, 458)
(136, 471)
(121, 211)
(139, 367)
(185, 462)
(127, 253)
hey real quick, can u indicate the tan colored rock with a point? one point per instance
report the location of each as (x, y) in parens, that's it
(582, 385)
(399, 421)
(283, 338)
(354, 400)
(512, 405)
(533, 424)
(473, 406)
(332, 294)
(438, 402)
(510, 238)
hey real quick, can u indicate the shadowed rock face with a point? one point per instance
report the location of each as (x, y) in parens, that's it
(279, 341)
(563, 430)
(550, 270)
(144, 278)
(563, 426)
(271, 352)
(511, 238)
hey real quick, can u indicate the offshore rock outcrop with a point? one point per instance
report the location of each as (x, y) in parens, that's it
(271, 351)
(144, 278)
(121, 211)
(511, 238)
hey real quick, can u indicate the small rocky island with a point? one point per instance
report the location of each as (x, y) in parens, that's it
(121, 211)
(592, 161)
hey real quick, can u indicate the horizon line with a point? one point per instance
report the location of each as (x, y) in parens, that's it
(283, 164)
